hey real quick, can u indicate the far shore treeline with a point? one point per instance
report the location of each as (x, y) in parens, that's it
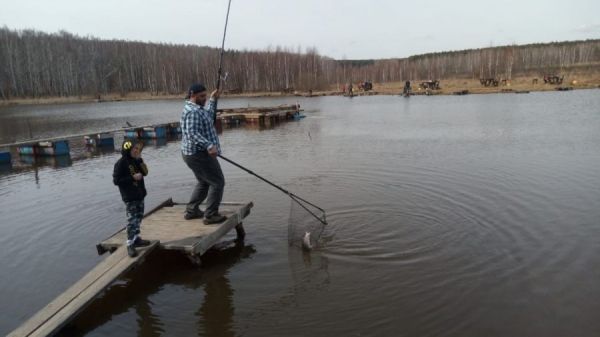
(37, 64)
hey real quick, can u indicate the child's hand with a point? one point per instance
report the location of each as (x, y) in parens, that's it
(138, 176)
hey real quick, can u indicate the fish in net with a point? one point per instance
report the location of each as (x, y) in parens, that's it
(307, 220)
(306, 223)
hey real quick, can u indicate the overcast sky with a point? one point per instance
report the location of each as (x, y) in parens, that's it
(348, 29)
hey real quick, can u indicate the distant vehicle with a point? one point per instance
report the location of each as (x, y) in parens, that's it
(365, 86)
(553, 79)
(489, 82)
(431, 84)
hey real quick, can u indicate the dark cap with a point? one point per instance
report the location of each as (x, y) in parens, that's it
(195, 88)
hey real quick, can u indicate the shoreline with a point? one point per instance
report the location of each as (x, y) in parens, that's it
(447, 87)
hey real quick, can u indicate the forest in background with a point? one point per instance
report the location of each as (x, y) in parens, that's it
(37, 64)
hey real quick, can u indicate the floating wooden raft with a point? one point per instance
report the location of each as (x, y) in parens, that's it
(148, 132)
(167, 225)
(260, 115)
(166, 228)
(100, 139)
(45, 148)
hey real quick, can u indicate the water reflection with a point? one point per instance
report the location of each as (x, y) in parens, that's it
(215, 316)
(161, 272)
(92, 151)
(157, 142)
(445, 209)
(251, 126)
(310, 271)
(5, 168)
(53, 161)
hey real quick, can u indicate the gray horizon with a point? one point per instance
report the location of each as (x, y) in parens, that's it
(350, 29)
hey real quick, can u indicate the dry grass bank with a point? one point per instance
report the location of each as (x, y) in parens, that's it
(448, 87)
(136, 96)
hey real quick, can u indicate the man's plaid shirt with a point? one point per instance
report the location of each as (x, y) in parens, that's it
(198, 131)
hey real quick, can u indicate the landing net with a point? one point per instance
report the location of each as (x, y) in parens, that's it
(305, 218)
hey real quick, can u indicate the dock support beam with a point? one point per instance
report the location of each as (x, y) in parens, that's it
(195, 259)
(241, 233)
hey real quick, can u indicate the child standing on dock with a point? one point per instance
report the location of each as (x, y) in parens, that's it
(129, 174)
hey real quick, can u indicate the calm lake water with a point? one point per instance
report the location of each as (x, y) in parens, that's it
(472, 215)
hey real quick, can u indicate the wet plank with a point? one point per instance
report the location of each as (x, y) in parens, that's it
(168, 226)
(60, 311)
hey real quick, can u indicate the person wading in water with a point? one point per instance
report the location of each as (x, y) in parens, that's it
(200, 147)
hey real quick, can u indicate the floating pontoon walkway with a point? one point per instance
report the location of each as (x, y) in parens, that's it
(259, 115)
(166, 228)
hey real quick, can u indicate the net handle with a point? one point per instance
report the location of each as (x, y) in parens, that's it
(290, 194)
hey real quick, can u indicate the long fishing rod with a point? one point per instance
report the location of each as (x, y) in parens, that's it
(290, 194)
(220, 71)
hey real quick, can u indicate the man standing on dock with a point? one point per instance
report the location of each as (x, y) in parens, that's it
(200, 147)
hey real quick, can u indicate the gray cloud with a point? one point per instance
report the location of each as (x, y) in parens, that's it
(588, 29)
(354, 28)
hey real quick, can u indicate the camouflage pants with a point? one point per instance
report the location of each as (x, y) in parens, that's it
(135, 213)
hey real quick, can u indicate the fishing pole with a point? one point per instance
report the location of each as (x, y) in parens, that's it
(290, 194)
(220, 71)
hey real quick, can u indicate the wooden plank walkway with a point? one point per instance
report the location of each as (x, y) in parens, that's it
(59, 312)
(166, 228)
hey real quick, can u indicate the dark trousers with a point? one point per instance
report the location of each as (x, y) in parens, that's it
(210, 183)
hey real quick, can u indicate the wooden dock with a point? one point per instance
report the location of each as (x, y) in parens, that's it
(258, 115)
(167, 225)
(166, 228)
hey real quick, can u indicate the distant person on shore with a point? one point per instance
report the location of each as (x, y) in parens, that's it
(200, 147)
(129, 174)
(407, 88)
